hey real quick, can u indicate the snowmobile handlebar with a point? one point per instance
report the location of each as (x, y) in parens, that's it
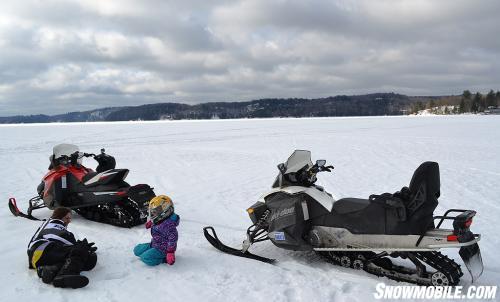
(308, 177)
(327, 168)
(315, 169)
(94, 155)
(105, 161)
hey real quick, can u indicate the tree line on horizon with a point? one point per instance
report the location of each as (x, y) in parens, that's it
(375, 104)
(357, 105)
(467, 102)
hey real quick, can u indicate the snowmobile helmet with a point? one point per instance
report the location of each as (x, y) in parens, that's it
(160, 208)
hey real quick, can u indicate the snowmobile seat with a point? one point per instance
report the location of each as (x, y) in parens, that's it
(423, 199)
(349, 205)
(359, 216)
(112, 179)
(89, 176)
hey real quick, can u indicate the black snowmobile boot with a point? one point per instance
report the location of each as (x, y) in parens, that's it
(90, 263)
(48, 272)
(69, 275)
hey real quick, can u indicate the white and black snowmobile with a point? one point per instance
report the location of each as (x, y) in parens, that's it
(363, 233)
(102, 196)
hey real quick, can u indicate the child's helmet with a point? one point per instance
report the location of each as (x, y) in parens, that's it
(160, 208)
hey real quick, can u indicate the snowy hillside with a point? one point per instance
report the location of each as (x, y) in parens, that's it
(214, 170)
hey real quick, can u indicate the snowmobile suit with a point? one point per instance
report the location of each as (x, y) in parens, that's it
(52, 244)
(49, 244)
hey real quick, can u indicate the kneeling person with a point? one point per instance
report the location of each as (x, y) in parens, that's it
(163, 223)
(57, 256)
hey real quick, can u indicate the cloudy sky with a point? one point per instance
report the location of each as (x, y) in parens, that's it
(67, 55)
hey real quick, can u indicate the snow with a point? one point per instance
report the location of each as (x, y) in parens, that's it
(214, 170)
(445, 109)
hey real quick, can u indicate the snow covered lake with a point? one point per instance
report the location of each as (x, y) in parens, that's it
(214, 170)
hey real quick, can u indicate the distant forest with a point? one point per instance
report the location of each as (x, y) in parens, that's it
(358, 105)
(465, 103)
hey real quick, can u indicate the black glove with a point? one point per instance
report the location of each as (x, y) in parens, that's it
(86, 245)
(80, 246)
(91, 247)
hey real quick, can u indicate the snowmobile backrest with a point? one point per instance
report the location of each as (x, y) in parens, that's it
(424, 185)
(427, 172)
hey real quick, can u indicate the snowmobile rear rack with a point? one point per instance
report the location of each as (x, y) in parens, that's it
(466, 215)
(467, 241)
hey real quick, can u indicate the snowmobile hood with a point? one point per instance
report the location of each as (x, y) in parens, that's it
(321, 196)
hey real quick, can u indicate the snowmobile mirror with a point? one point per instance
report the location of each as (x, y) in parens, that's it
(282, 168)
(320, 162)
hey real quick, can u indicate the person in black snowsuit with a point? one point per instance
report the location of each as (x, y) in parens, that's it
(57, 256)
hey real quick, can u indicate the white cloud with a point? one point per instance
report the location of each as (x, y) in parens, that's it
(114, 8)
(104, 53)
(5, 88)
(57, 77)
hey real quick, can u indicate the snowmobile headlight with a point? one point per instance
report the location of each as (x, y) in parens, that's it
(256, 211)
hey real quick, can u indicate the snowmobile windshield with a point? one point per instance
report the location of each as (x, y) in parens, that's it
(298, 160)
(66, 150)
(289, 175)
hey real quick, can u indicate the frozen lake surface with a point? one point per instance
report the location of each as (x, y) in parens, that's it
(214, 170)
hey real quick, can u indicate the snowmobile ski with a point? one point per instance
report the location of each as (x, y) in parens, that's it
(214, 240)
(18, 213)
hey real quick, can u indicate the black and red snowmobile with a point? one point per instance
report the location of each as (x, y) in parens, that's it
(101, 196)
(359, 233)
